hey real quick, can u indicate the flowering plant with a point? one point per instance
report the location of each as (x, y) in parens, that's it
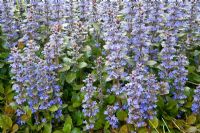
(99, 66)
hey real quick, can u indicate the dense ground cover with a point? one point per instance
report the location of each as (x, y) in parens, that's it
(99, 66)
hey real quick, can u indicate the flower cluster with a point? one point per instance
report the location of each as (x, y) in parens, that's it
(16, 60)
(90, 107)
(195, 105)
(110, 113)
(192, 27)
(155, 22)
(174, 63)
(84, 9)
(8, 22)
(129, 15)
(77, 21)
(31, 25)
(53, 49)
(94, 14)
(58, 11)
(140, 44)
(141, 96)
(46, 19)
(116, 44)
(168, 62)
(116, 48)
(34, 80)
(180, 77)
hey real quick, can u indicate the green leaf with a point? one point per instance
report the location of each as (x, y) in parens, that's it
(121, 115)
(191, 69)
(160, 102)
(70, 77)
(39, 127)
(106, 131)
(4, 55)
(10, 97)
(76, 104)
(76, 100)
(36, 106)
(194, 77)
(82, 65)
(110, 99)
(47, 128)
(181, 34)
(58, 131)
(77, 117)
(107, 125)
(98, 122)
(15, 128)
(27, 130)
(191, 129)
(187, 91)
(196, 52)
(179, 123)
(87, 49)
(53, 108)
(172, 106)
(151, 63)
(77, 87)
(76, 130)
(67, 60)
(64, 68)
(1, 88)
(1, 98)
(5, 122)
(154, 122)
(188, 104)
(123, 129)
(1, 65)
(198, 69)
(64, 106)
(96, 26)
(25, 117)
(27, 110)
(191, 119)
(71, 108)
(68, 125)
(142, 130)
